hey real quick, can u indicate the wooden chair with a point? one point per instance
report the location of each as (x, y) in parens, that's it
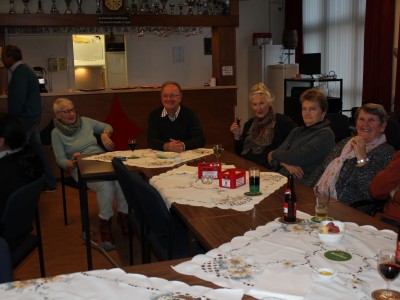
(20, 212)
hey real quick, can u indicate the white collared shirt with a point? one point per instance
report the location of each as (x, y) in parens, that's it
(174, 117)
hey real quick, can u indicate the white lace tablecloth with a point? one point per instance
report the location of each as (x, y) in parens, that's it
(110, 284)
(181, 185)
(276, 261)
(147, 158)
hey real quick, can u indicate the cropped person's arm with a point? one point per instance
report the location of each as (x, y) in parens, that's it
(59, 152)
(386, 180)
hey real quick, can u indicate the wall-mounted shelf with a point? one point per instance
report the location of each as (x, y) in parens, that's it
(49, 20)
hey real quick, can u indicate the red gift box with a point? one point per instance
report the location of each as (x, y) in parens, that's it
(209, 169)
(232, 178)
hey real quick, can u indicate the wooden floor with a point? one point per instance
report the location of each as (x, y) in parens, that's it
(64, 250)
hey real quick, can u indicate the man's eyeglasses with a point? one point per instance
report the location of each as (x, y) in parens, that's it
(172, 96)
(68, 111)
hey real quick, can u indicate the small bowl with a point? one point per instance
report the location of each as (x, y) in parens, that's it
(325, 274)
(332, 238)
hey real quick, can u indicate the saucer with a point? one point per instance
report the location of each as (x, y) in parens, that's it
(317, 220)
(298, 221)
(251, 194)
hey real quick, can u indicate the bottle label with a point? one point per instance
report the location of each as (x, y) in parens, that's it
(285, 209)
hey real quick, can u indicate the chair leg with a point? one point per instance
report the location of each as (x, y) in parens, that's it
(130, 237)
(40, 245)
(63, 196)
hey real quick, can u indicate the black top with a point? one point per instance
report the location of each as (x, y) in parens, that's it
(283, 126)
(186, 128)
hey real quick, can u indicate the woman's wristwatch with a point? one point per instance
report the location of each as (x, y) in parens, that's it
(361, 161)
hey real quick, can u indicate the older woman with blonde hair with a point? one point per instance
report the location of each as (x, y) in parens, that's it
(72, 136)
(352, 164)
(265, 131)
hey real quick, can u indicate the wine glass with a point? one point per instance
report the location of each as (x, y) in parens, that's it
(68, 10)
(40, 10)
(132, 144)
(218, 149)
(54, 9)
(79, 11)
(26, 6)
(389, 270)
(12, 10)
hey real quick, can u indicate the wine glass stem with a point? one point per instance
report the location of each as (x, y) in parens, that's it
(388, 287)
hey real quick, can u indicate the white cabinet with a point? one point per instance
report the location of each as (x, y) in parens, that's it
(276, 75)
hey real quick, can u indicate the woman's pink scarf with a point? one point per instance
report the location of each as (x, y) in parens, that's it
(332, 171)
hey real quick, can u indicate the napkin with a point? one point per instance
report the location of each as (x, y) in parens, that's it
(282, 284)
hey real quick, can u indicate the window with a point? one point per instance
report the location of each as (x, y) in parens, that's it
(335, 28)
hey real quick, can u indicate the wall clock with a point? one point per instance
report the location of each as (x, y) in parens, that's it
(113, 6)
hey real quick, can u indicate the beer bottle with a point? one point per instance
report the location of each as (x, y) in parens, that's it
(289, 207)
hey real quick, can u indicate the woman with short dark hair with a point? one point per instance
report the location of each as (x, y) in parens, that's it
(306, 146)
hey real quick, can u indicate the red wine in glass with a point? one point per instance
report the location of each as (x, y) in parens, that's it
(389, 270)
(132, 144)
(237, 120)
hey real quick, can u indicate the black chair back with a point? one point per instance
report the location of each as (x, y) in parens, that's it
(392, 133)
(166, 235)
(340, 125)
(20, 211)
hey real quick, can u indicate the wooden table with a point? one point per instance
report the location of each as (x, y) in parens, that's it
(214, 226)
(163, 270)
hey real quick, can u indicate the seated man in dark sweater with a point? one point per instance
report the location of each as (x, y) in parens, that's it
(174, 127)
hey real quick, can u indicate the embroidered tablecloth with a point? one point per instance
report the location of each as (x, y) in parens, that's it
(110, 284)
(147, 158)
(276, 261)
(181, 185)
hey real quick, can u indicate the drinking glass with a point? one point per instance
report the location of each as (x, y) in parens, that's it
(26, 6)
(12, 10)
(132, 144)
(218, 149)
(389, 270)
(68, 10)
(322, 197)
(254, 180)
(54, 9)
(40, 9)
(79, 11)
(237, 120)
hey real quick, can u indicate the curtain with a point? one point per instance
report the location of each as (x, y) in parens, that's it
(335, 28)
(378, 52)
(294, 21)
(397, 87)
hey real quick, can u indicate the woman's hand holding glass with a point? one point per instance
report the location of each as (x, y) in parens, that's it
(235, 129)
